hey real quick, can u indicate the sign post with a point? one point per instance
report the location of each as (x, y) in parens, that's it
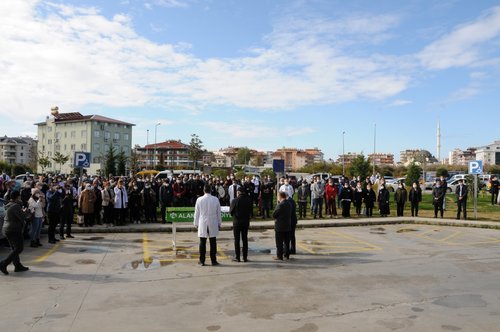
(278, 167)
(475, 168)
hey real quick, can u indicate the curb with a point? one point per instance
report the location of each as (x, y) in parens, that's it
(269, 225)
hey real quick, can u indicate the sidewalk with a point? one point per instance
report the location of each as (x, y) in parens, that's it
(317, 223)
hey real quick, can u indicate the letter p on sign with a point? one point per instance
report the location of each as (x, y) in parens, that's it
(475, 167)
(82, 159)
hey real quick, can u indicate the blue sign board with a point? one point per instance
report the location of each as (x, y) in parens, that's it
(278, 166)
(82, 159)
(476, 167)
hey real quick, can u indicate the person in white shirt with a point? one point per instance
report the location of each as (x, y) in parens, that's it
(287, 188)
(232, 190)
(208, 220)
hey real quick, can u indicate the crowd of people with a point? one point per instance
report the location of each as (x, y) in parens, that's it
(116, 201)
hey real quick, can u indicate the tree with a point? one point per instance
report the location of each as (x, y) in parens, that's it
(195, 149)
(220, 173)
(110, 161)
(43, 161)
(60, 159)
(18, 169)
(360, 167)
(121, 160)
(413, 174)
(442, 171)
(243, 156)
(134, 162)
(268, 172)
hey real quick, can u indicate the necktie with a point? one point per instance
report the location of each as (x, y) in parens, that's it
(234, 191)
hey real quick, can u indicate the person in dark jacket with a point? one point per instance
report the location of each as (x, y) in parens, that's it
(383, 200)
(282, 227)
(415, 197)
(303, 196)
(165, 196)
(438, 194)
(135, 204)
(400, 197)
(14, 223)
(369, 199)
(148, 203)
(358, 195)
(293, 220)
(266, 197)
(66, 213)
(240, 209)
(54, 198)
(345, 200)
(461, 192)
(494, 187)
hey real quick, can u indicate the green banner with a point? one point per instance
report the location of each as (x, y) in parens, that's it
(186, 214)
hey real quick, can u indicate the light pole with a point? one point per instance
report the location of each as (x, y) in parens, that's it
(154, 154)
(147, 148)
(343, 154)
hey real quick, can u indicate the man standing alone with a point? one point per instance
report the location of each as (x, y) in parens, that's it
(461, 193)
(208, 220)
(282, 226)
(241, 208)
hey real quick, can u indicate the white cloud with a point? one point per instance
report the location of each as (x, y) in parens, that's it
(400, 102)
(463, 46)
(167, 3)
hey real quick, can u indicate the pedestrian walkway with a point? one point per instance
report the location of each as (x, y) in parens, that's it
(262, 225)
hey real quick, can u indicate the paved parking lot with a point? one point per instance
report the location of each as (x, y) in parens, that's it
(381, 278)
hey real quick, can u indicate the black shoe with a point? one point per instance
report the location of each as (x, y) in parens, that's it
(292, 252)
(21, 269)
(215, 263)
(201, 263)
(52, 241)
(62, 237)
(3, 269)
(57, 240)
(33, 244)
(236, 259)
(246, 260)
(70, 236)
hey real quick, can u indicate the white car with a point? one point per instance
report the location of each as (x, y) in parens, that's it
(452, 186)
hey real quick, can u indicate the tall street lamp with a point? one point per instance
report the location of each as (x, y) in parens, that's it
(343, 154)
(147, 148)
(154, 154)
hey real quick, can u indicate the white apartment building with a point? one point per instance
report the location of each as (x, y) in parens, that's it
(489, 154)
(68, 133)
(17, 150)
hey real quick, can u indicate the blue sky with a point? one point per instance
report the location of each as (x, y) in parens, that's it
(263, 74)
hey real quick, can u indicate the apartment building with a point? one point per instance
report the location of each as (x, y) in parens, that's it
(17, 150)
(68, 133)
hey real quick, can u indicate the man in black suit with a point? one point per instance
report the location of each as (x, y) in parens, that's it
(461, 192)
(293, 224)
(282, 227)
(241, 209)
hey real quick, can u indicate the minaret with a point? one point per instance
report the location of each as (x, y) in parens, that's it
(438, 142)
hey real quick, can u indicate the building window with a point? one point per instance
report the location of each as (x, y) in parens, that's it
(97, 133)
(117, 136)
(125, 137)
(107, 135)
(73, 134)
(73, 147)
(49, 129)
(84, 147)
(49, 141)
(65, 134)
(21, 154)
(65, 147)
(57, 135)
(97, 147)
(84, 134)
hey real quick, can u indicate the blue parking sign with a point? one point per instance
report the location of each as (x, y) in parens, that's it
(82, 159)
(476, 167)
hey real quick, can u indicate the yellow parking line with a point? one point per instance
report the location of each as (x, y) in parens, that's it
(145, 249)
(48, 253)
(450, 236)
(348, 237)
(301, 246)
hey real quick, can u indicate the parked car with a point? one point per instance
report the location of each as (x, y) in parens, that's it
(392, 184)
(452, 186)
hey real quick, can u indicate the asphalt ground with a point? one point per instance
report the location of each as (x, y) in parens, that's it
(372, 278)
